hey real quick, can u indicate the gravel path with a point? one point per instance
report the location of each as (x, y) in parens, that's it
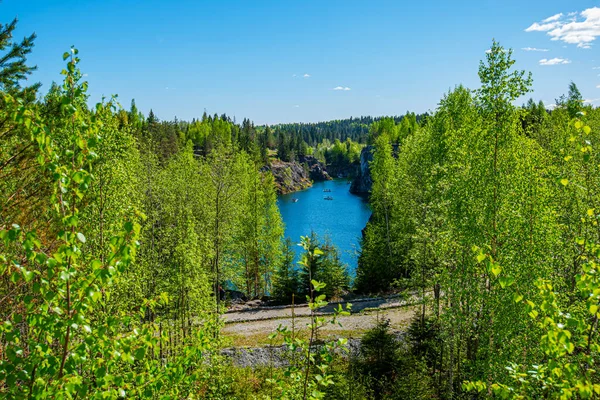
(251, 328)
(303, 310)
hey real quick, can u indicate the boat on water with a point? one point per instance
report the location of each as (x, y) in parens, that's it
(294, 200)
(327, 190)
(327, 198)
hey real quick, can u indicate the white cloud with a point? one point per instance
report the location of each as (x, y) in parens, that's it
(591, 101)
(555, 17)
(554, 61)
(306, 76)
(296, 106)
(294, 75)
(580, 29)
(598, 87)
(533, 49)
(345, 88)
(595, 67)
(535, 27)
(84, 75)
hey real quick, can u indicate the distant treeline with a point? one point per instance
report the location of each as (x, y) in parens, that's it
(357, 129)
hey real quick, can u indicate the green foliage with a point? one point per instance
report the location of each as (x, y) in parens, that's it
(338, 155)
(480, 203)
(286, 280)
(308, 375)
(568, 342)
(101, 300)
(56, 338)
(324, 266)
(379, 352)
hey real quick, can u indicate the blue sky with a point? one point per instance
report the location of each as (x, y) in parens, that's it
(279, 61)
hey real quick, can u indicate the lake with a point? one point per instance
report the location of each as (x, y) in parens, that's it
(342, 218)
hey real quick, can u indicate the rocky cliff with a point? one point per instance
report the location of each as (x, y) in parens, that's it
(349, 171)
(363, 182)
(316, 169)
(289, 176)
(293, 176)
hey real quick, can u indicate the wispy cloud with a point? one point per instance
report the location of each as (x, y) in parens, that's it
(580, 28)
(536, 27)
(533, 49)
(598, 87)
(345, 88)
(595, 67)
(306, 76)
(296, 106)
(555, 17)
(294, 75)
(591, 101)
(554, 61)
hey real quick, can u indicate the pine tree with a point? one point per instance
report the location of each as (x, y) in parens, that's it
(13, 63)
(286, 279)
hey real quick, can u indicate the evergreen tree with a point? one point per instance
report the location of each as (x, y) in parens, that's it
(286, 281)
(13, 63)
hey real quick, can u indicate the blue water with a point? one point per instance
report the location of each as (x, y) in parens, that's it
(342, 218)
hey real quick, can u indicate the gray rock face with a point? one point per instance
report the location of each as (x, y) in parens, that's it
(279, 356)
(289, 176)
(363, 182)
(293, 176)
(316, 169)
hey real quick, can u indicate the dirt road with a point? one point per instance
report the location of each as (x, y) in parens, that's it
(252, 327)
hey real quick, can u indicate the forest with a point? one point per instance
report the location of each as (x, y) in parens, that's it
(122, 236)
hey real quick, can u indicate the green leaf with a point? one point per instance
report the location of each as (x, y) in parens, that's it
(593, 309)
(128, 226)
(517, 297)
(27, 275)
(506, 281)
(496, 269)
(564, 182)
(81, 237)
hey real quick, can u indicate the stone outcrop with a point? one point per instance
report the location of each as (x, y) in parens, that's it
(349, 171)
(363, 181)
(316, 169)
(293, 176)
(289, 176)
